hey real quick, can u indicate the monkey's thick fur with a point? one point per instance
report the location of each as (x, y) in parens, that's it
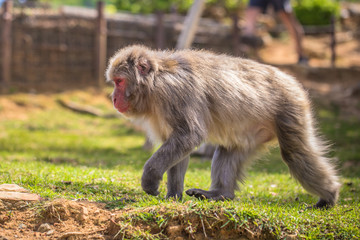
(186, 97)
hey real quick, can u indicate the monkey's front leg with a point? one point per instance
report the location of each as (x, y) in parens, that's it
(176, 176)
(171, 156)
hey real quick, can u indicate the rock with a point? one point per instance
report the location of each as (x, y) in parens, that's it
(51, 232)
(19, 196)
(44, 228)
(16, 193)
(12, 188)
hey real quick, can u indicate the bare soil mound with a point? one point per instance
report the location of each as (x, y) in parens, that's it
(59, 219)
(66, 219)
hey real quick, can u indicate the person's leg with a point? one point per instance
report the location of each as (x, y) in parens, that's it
(295, 29)
(254, 9)
(284, 10)
(251, 15)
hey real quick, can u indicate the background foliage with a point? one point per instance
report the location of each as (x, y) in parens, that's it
(316, 12)
(309, 12)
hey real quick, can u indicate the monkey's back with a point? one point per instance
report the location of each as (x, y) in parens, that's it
(241, 95)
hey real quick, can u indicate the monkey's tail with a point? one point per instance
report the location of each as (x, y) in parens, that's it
(305, 154)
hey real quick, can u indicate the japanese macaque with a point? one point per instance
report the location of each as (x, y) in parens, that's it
(186, 97)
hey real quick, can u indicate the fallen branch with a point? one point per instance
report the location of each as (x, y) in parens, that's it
(80, 108)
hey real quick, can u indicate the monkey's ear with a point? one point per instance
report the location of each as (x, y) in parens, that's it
(143, 66)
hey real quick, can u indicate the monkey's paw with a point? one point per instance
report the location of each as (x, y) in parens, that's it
(321, 204)
(150, 183)
(150, 187)
(175, 196)
(213, 195)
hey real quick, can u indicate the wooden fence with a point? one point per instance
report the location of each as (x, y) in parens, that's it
(48, 50)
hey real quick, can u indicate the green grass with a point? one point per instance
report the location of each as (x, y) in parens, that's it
(61, 154)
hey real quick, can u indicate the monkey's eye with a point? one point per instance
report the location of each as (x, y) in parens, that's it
(119, 81)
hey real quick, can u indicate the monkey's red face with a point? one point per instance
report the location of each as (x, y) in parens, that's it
(132, 74)
(120, 100)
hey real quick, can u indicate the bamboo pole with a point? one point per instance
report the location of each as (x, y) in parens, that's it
(6, 44)
(190, 24)
(100, 44)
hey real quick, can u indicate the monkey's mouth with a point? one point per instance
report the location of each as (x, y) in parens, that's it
(120, 105)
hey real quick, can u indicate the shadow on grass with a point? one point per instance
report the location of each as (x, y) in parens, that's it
(107, 158)
(102, 190)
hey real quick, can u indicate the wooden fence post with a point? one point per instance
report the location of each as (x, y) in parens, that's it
(6, 44)
(160, 35)
(235, 34)
(100, 44)
(333, 42)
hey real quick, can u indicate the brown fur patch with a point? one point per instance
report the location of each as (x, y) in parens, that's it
(169, 65)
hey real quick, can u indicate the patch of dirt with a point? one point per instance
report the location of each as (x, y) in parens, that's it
(59, 219)
(20, 105)
(317, 49)
(65, 219)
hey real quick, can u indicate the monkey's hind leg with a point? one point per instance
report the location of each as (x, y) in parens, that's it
(226, 168)
(304, 153)
(175, 179)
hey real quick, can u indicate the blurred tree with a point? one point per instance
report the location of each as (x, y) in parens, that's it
(149, 6)
(86, 3)
(145, 6)
(316, 12)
